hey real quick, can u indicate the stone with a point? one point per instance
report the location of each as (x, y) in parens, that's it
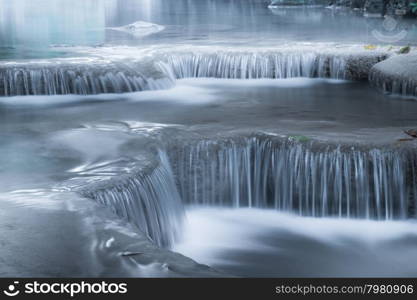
(396, 75)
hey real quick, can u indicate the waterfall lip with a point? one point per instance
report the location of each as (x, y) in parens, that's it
(141, 169)
(240, 136)
(287, 136)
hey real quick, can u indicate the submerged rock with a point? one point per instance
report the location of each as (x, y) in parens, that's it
(140, 28)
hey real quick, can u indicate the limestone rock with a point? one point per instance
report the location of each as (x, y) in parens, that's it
(397, 75)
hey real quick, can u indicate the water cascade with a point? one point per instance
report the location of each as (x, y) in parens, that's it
(309, 179)
(95, 76)
(76, 78)
(149, 200)
(393, 83)
(306, 178)
(268, 64)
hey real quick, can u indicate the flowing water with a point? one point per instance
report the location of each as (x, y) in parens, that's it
(269, 155)
(311, 180)
(263, 243)
(227, 131)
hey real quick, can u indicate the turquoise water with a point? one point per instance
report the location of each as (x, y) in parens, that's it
(54, 146)
(34, 28)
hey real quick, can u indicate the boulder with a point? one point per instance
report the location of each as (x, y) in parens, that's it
(396, 75)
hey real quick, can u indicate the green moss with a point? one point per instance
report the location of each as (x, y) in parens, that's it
(298, 138)
(404, 50)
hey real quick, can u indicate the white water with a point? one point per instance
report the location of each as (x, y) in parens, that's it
(130, 69)
(78, 76)
(305, 178)
(264, 243)
(149, 201)
(246, 65)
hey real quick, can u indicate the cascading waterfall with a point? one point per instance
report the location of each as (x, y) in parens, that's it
(111, 77)
(158, 69)
(406, 86)
(305, 178)
(242, 65)
(84, 79)
(149, 200)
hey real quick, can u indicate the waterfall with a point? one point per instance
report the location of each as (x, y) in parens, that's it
(393, 83)
(149, 200)
(306, 178)
(84, 79)
(396, 75)
(242, 65)
(152, 69)
(57, 78)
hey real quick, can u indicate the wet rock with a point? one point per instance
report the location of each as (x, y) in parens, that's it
(359, 66)
(396, 75)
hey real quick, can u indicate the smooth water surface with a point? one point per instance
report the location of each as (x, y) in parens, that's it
(262, 243)
(31, 28)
